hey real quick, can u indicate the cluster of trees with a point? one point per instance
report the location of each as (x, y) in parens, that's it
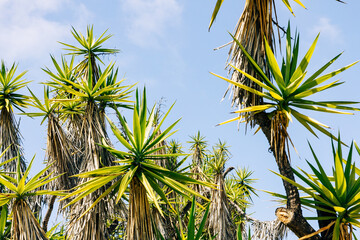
(142, 190)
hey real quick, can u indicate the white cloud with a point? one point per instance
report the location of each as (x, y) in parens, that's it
(148, 19)
(29, 29)
(328, 30)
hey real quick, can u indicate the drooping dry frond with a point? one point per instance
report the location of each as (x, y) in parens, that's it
(164, 224)
(268, 230)
(59, 152)
(279, 135)
(24, 225)
(92, 225)
(254, 25)
(10, 136)
(10, 84)
(139, 224)
(261, 230)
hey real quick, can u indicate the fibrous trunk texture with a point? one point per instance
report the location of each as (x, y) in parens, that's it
(198, 174)
(10, 136)
(139, 226)
(219, 219)
(254, 25)
(164, 224)
(59, 153)
(24, 225)
(93, 225)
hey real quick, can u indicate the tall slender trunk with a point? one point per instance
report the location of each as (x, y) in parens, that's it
(291, 216)
(139, 226)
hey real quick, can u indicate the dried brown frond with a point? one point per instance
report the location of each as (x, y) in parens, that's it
(92, 226)
(139, 218)
(24, 224)
(268, 230)
(74, 130)
(254, 25)
(261, 230)
(10, 136)
(59, 153)
(279, 136)
(219, 218)
(165, 224)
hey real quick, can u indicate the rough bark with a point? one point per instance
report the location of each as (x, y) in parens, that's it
(291, 216)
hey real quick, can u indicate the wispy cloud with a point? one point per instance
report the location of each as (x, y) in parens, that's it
(328, 30)
(29, 29)
(148, 19)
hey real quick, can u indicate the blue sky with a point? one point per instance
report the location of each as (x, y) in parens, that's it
(165, 46)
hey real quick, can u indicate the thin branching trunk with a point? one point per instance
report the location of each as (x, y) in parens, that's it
(48, 213)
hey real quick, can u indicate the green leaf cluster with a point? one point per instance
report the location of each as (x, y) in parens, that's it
(20, 187)
(292, 86)
(10, 84)
(138, 161)
(337, 194)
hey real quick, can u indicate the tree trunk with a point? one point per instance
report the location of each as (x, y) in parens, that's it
(291, 216)
(139, 226)
(48, 213)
